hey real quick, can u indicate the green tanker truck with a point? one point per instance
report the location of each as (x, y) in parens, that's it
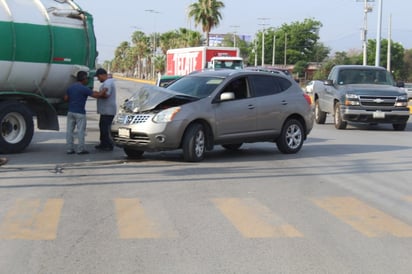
(44, 43)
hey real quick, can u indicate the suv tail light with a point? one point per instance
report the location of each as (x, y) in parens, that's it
(308, 98)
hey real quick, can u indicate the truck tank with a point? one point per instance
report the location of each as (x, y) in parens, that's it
(44, 43)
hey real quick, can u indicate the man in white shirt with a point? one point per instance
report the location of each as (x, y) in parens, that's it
(106, 107)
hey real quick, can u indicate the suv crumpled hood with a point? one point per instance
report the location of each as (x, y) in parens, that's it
(149, 97)
(382, 90)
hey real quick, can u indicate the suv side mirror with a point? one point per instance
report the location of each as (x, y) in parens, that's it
(227, 96)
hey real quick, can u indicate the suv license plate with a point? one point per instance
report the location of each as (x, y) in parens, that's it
(379, 115)
(124, 132)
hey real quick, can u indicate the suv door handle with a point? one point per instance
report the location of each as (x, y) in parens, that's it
(284, 102)
(250, 106)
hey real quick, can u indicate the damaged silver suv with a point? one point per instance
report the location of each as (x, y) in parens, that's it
(208, 108)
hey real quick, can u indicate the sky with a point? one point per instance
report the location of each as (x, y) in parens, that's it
(342, 20)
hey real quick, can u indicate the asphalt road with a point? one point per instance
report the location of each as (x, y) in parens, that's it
(341, 205)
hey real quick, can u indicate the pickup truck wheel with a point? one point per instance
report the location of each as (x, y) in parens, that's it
(291, 138)
(339, 123)
(16, 127)
(320, 116)
(133, 153)
(232, 146)
(193, 144)
(399, 127)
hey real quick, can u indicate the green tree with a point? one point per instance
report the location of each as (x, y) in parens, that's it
(140, 51)
(180, 39)
(207, 14)
(407, 66)
(300, 40)
(397, 56)
(228, 41)
(300, 68)
(120, 56)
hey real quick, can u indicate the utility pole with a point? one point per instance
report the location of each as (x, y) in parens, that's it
(263, 24)
(389, 57)
(234, 35)
(274, 50)
(286, 48)
(378, 36)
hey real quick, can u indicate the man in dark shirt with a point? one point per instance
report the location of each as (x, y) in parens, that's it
(77, 95)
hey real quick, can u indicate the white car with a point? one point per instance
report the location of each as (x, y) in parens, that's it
(313, 85)
(408, 89)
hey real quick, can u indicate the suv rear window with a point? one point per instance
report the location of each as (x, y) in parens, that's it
(264, 85)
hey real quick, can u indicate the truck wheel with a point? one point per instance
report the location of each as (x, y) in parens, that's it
(17, 127)
(133, 153)
(399, 127)
(291, 138)
(320, 116)
(232, 146)
(339, 123)
(193, 144)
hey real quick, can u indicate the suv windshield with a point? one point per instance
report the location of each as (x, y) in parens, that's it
(196, 86)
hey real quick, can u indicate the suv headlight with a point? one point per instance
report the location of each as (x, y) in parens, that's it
(166, 115)
(351, 100)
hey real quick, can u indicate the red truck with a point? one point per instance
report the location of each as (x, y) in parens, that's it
(183, 61)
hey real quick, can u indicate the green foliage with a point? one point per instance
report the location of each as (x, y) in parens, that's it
(397, 53)
(300, 68)
(207, 14)
(292, 43)
(300, 40)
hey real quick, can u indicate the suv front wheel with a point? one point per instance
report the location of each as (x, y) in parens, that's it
(193, 144)
(291, 138)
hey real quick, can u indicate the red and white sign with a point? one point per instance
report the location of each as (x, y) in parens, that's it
(183, 61)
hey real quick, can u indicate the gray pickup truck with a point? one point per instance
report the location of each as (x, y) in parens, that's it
(361, 94)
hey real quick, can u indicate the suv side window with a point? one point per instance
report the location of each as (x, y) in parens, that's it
(264, 85)
(238, 87)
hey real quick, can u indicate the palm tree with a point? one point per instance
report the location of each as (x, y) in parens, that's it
(206, 13)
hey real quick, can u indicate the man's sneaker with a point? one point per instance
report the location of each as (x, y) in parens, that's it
(70, 151)
(83, 152)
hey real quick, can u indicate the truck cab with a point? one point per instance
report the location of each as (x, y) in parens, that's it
(226, 62)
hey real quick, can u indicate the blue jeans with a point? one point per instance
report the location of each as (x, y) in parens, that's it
(75, 120)
(105, 123)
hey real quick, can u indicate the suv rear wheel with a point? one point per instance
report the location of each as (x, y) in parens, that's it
(291, 138)
(193, 144)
